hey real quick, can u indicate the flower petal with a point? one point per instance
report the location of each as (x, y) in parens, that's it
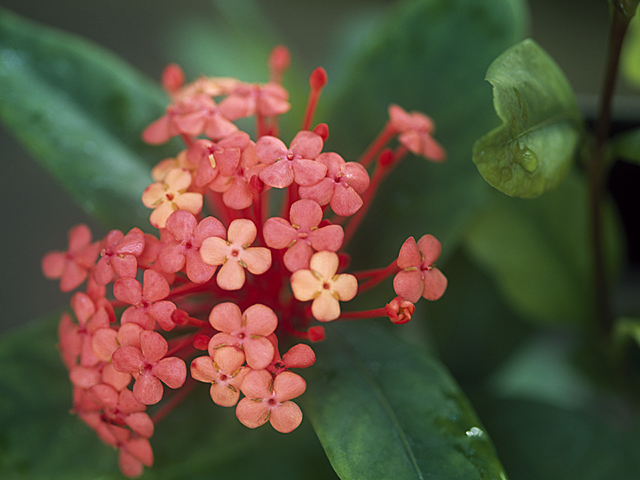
(286, 417)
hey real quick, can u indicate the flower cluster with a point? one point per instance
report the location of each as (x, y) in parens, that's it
(211, 296)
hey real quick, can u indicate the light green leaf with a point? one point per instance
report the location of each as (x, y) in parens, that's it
(383, 409)
(80, 111)
(533, 150)
(630, 56)
(41, 440)
(537, 253)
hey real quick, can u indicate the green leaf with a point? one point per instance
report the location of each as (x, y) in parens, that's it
(382, 409)
(627, 146)
(625, 329)
(533, 150)
(537, 253)
(540, 441)
(431, 56)
(80, 111)
(40, 439)
(630, 65)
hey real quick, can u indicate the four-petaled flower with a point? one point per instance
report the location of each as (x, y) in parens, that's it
(235, 254)
(182, 242)
(269, 399)
(118, 255)
(72, 266)
(170, 195)
(415, 130)
(342, 186)
(225, 373)
(288, 164)
(247, 330)
(149, 365)
(302, 235)
(147, 304)
(419, 278)
(321, 284)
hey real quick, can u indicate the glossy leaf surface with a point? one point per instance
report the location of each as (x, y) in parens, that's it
(533, 150)
(383, 409)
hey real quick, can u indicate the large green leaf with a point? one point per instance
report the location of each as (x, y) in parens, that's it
(80, 111)
(533, 150)
(427, 55)
(382, 409)
(538, 253)
(40, 439)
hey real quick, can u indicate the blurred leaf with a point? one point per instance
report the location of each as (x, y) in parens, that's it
(630, 56)
(537, 253)
(473, 328)
(427, 55)
(538, 441)
(533, 150)
(627, 146)
(80, 111)
(543, 368)
(627, 328)
(382, 409)
(40, 439)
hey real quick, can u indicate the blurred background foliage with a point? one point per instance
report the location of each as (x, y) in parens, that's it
(515, 356)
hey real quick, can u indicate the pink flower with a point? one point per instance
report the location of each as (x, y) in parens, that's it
(236, 254)
(235, 190)
(72, 266)
(182, 243)
(90, 320)
(342, 186)
(225, 373)
(191, 115)
(246, 99)
(134, 454)
(269, 399)
(302, 235)
(222, 157)
(321, 284)
(169, 195)
(246, 330)
(147, 304)
(419, 278)
(118, 255)
(295, 163)
(415, 133)
(149, 365)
